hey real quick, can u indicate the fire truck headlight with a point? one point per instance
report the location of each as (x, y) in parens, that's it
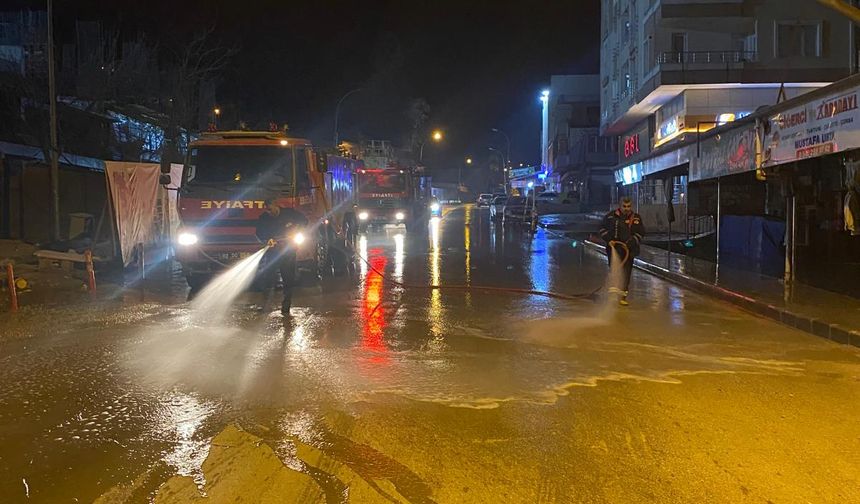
(298, 238)
(435, 207)
(399, 216)
(363, 215)
(186, 239)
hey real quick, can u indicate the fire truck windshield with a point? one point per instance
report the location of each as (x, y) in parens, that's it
(382, 183)
(241, 164)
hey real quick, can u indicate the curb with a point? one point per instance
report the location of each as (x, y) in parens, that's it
(811, 325)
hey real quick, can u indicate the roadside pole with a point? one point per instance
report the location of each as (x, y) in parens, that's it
(52, 101)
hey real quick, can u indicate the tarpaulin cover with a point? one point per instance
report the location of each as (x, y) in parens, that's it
(134, 191)
(753, 243)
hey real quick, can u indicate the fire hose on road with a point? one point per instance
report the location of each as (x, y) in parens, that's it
(623, 246)
(490, 288)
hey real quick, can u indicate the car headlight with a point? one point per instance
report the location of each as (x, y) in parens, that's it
(435, 207)
(298, 238)
(363, 215)
(186, 239)
(399, 216)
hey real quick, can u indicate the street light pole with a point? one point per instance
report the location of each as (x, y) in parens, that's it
(337, 113)
(505, 162)
(507, 143)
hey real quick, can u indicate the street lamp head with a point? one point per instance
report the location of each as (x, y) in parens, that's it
(468, 160)
(437, 135)
(494, 130)
(217, 111)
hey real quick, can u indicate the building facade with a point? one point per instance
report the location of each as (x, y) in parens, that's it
(686, 86)
(579, 161)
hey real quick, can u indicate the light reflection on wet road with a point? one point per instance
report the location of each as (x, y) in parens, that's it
(438, 395)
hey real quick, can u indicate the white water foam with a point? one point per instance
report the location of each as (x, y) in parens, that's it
(215, 300)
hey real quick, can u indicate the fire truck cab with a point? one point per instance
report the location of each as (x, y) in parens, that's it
(389, 192)
(226, 181)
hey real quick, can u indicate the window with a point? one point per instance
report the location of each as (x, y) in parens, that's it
(303, 182)
(797, 39)
(679, 43)
(241, 165)
(647, 58)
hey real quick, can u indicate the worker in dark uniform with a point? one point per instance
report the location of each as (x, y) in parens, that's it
(622, 231)
(278, 227)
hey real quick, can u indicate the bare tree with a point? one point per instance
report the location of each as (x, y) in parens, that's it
(189, 68)
(418, 113)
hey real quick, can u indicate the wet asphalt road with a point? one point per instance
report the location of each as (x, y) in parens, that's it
(415, 395)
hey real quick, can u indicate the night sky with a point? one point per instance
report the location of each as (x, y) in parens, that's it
(479, 64)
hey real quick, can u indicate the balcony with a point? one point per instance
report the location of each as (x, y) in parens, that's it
(704, 58)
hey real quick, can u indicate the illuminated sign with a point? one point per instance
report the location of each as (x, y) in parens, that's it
(730, 117)
(631, 145)
(668, 128)
(725, 118)
(631, 174)
(523, 172)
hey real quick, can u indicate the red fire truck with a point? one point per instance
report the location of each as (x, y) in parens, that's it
(390, 192)
(225, 183)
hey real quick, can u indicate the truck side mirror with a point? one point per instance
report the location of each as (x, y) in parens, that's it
(322, 162)
(164, 179)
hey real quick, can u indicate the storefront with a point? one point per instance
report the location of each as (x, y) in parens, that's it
(524, 180)
(658, 187)
(811, 156)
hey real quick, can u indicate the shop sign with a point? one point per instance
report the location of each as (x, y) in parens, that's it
(825, 126)
(727, 153)
(635, 172)
(670, 127)
(631, 145)
(523, 172)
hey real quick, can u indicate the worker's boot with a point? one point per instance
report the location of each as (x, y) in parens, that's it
(622, 300)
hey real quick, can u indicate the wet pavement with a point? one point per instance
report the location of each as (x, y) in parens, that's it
(379, 392)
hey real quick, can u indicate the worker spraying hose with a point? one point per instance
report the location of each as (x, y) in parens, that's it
(622, 231)
(282, 230)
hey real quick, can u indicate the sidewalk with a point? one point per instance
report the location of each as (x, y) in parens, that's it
(815, 311)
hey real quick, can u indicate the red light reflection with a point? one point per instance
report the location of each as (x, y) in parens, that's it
(373, 311)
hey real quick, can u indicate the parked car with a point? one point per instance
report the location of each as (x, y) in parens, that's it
(484, 200)
(518, 208)
(497, 206)
(554, 197)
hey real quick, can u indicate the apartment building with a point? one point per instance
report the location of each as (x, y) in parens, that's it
(579, 159)
(672, 70)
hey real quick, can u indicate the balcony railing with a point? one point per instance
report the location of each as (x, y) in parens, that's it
(705, 57)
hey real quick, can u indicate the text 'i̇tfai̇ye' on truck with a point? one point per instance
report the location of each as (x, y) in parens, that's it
(226, 181)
